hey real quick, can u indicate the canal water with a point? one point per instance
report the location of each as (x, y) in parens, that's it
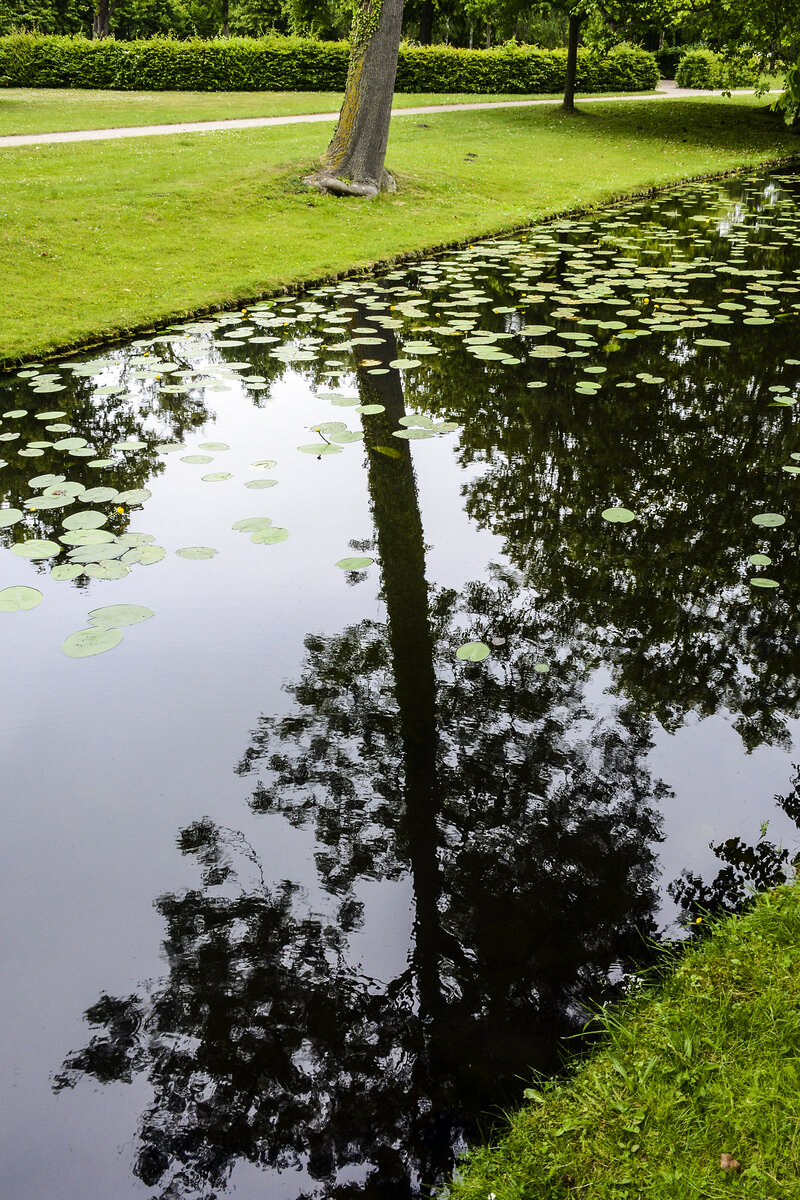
(344, 775)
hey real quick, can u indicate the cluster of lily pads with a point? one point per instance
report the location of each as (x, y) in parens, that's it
(580, 290)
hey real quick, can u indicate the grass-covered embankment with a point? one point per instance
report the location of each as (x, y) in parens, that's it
(98, 239)
(705, 1066)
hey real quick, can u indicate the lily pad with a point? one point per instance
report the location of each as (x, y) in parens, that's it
(320, 448)
(268, 463)
(115, 615)
(760, 560)
(196, 460)
(19, 598)
(151, 555)
(768, 520)
(115, 569)
(255, 484)
(252, 524)
(473, 651)
(618, 515)
(197, 552)
(87, 642)
(36, 549)
(217, 477)
(762, 582)
(9, 516)
(355, 564)
(134, 496)
(269, 537)
(66, 571)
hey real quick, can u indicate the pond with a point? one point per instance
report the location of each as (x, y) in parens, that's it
(384, 667)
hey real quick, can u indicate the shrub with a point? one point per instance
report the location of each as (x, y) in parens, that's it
(668, 60)
(705, 69)
(302, 64)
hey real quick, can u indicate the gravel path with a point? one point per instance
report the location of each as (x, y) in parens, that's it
(665, 89)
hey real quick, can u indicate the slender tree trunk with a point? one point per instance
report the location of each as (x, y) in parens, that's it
(354, 162)
(225, 17)
(575, 22)
(426, 23)
(100, 28)
(488, 36)
(471, 34)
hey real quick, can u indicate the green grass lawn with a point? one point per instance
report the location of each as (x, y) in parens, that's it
(708, 1064)
(101, 238)
(45, 110)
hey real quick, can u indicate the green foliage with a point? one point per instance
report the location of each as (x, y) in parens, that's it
(46, 16)
(706, 69)
(668, 59)
(302, 64)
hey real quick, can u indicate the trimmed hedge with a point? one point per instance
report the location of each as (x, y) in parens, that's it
(301, 64)
(705, 69)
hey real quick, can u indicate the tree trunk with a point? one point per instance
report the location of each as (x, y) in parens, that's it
(100, 28)
(353, 164)
(471, 34)
(426, 23)
(488, 36)
(575, 22)
(225, 17)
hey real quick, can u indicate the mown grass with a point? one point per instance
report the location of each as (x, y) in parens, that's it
(97, 239)
(47, 110)
(709, 1064)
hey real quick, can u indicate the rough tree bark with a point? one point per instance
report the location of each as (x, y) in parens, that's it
(225, 18)
(575, 22)
(100, 26)
(426, 23)
(353, 164)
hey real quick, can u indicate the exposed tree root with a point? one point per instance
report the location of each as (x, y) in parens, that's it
(324, 181)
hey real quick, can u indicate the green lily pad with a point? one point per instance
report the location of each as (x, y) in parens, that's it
(763, 582)
(320, 448)
(9, 516)
(151, 555)
(66, 571)
(115, 569)
(196, 460)
(213, 446)
(473, 651)
(269, 537)
(618, 515)
(134, 496)
(87, 642)
(541, 668)
(413, 434)
(370, 410)
(760, 560)
(89, 519)
(355, 564)
(19, 598)
(255, 484)
(86, 537)
(35, 549)
(217, 477)
(768, 520)
(115, 615)
(197, 552)
(252, 524)
(268, 463)
(98, 495)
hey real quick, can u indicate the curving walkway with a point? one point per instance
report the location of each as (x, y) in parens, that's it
(665, 89)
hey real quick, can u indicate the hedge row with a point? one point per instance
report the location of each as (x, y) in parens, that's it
(299, 64)
(705, 69)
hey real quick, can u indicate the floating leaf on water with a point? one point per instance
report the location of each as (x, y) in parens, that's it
(197, 552)
(196, 460)
(129, 444)
(343, 401)
(355, 564)
(9, 516)
(267, 463)
(151, 555)
(768, 520)
(269, 537)
(99, 464)
(169, 447)
(89, 519)
(370, 410)
(95, 554)
(413, 434)
(86, 537)
(67, 488)
(347, 436)
(112, 616)
(760, 560)
(66, 571)
(213, 446)
(260, 483)
(252, 524)
(19, 598)
(36, 548)
(715, 342)
(473, 651)
(115, 569)
(541, 668)
(99, 495)
(43, 481)
(134, 496)
(216, 477)
(763, 582)
(618, 515)
(791, 470)
(90, 641)
(320, 448)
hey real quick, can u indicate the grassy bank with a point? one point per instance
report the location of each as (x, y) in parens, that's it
(708, 1065)
(45, 110)
(97, 239)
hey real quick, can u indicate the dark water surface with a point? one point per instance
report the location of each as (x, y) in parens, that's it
(293, 896)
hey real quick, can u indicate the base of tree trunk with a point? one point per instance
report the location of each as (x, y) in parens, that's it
(324, 181)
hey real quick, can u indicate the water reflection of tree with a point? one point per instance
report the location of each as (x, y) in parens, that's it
(526, 829)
